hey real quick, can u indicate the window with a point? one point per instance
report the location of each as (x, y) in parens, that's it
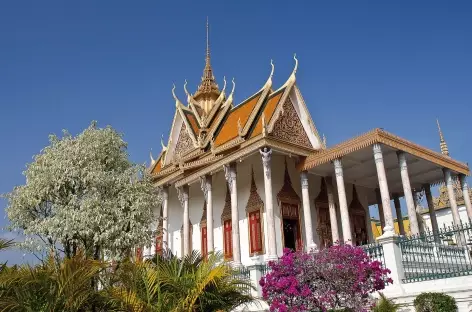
(228, 240)
(255, 232)
(204, 242)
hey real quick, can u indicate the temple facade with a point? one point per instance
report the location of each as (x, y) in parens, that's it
(253, 178)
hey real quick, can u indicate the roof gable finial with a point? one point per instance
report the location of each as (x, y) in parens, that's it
(208, 90)
(443, 144)
(207, 59)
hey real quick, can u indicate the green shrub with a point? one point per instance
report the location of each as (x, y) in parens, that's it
(385, 305)
(435, 302)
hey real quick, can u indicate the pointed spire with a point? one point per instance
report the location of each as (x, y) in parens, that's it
(443, 144)
(208, 89)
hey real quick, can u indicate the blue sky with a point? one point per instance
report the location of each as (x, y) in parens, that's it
(363, 64)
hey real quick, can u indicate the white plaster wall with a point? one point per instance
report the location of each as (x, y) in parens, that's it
(196, 200)
(444, 217)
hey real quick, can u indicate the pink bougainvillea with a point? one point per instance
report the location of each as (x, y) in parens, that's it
(341, 276)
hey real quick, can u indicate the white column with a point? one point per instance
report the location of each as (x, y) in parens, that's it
(230, 175)
(432, 212)
(183, 197)
(310, 244)
(333, 218)
(165, 217)
(398, 211)
(346, 223)
(384, 193)
(266, 154)
(410, 203)
(452, 197)
(465, 193)
(206, 185)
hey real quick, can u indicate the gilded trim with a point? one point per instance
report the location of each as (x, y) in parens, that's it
(386, 138)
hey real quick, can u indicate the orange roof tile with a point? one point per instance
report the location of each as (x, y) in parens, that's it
(158, 166)
(229, 129)
(193, 122)
(268, 111)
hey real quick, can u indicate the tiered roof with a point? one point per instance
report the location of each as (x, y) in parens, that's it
(210, 126)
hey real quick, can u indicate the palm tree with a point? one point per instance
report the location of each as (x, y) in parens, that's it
(191, 284)
(386, 305)
(51, 286)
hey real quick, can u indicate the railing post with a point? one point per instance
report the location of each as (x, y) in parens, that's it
(393, 257)
(255, 275)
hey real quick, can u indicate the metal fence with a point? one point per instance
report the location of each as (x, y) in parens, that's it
(375, 252)
(244, 273)
(444, 254)
(263, 268)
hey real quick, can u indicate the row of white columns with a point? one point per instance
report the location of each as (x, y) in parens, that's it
(383, 195)
(206, 185)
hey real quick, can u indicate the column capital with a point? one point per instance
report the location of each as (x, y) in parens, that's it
(205, 185)
(378, 156)
(182, 194)
(266, 153)
(164, 192)
(448, 176)
(230, 173)
(338, 167)
(304, 179)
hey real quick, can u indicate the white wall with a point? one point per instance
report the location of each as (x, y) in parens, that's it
(444, 217)
(243, 183)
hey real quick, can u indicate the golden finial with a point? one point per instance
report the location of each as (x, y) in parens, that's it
(207, 59)
(442, 144)
(273, 67)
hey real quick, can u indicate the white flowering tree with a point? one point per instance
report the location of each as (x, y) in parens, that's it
(83, 194)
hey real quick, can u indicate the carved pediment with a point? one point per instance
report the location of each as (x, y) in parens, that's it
(184, 142)
(288, 126)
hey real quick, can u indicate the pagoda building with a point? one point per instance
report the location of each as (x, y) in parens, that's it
(253, 178)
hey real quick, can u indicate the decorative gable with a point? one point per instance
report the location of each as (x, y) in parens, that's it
(254, 202)
(226, 214)
(288, 126)
(287, 193)
(184, 142)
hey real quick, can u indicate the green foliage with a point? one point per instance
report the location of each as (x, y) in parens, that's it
(168, 284)
(172, 284)
(66, 286)
(82, 193)
(435, 302)
(385, 305)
